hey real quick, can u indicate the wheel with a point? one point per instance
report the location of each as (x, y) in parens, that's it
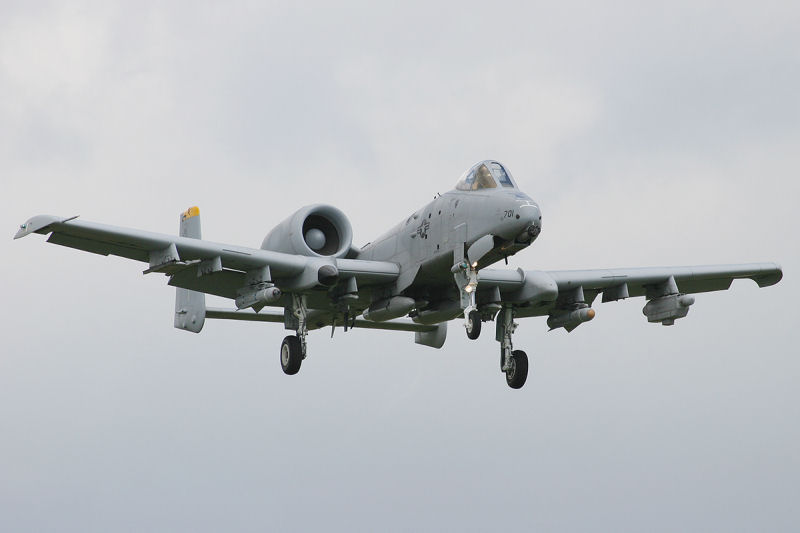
(518, 373)
(474, 325)
(291, 355)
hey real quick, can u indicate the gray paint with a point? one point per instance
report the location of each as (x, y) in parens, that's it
(413, 270)
(190, 306)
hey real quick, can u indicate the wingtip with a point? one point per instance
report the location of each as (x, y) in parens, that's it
(774, 273)
(24, 229)
(37, 223)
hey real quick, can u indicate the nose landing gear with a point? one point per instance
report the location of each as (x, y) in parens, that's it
(466, 277)
(473, 324)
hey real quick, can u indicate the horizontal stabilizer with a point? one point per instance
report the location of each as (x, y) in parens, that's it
(277, 317)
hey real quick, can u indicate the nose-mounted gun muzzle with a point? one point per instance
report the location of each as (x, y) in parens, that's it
(530, 233)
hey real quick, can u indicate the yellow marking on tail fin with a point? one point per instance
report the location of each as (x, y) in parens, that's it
(191, 212)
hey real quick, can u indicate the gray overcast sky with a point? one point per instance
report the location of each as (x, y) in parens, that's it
(661, 134)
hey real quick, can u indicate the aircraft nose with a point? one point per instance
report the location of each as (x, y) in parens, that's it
(531, 218)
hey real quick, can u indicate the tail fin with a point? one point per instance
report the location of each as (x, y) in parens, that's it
(190, 306)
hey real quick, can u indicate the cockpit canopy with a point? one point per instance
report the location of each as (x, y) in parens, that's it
(485, 175)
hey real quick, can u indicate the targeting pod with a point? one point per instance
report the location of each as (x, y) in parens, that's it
(667, 309)
(570, 320)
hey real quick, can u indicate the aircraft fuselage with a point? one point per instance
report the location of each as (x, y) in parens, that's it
(437, 235)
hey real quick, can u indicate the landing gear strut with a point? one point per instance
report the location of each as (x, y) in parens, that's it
(513, 362)
(294, 347)
(466, 277)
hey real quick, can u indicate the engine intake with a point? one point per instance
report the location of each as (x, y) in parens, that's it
(315, 230)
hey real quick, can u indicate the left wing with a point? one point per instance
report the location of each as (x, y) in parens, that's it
(566, 296)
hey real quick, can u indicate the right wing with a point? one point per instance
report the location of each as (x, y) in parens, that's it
(204, 266)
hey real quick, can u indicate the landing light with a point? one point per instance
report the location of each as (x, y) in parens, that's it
(475, 264)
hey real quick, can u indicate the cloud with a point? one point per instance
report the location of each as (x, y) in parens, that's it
(649, 135)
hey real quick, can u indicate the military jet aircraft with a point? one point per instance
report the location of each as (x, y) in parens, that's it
(430, 268)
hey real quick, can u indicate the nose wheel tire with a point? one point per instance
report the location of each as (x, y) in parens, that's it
(474, 325)
(517, 372)
(291, 355)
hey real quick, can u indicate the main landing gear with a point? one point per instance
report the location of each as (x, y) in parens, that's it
(517, 369)
(294, 347)
(513, 362)
(291, 355)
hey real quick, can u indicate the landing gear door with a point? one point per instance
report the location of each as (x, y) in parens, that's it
(438, 232)
(459, 239)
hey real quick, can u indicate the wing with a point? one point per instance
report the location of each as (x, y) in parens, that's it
(566, 296)
(204, 266)
(643, 281)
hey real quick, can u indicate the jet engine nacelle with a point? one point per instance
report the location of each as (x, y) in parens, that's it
(315, 230)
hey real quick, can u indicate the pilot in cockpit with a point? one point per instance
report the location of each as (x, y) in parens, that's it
(483, 179)
(485, 175)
